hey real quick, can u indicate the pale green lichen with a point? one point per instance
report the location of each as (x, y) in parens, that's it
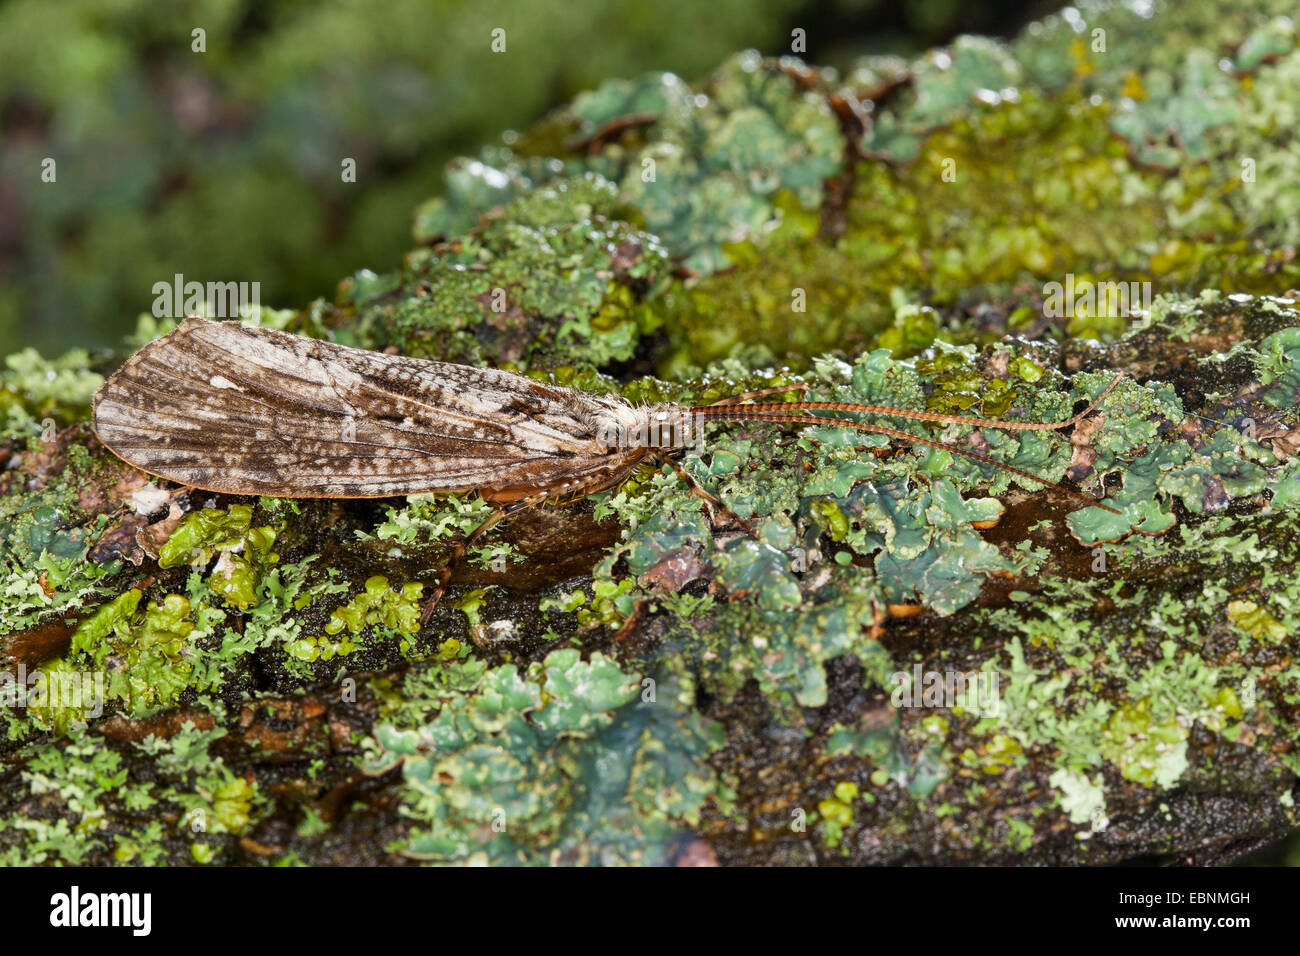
(548, 765)
(189, 794)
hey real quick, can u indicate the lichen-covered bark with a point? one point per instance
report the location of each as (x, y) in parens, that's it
(917, 659)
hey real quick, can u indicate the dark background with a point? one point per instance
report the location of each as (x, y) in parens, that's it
(224, 165)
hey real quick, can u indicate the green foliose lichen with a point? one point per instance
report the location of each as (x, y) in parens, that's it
(508, 767)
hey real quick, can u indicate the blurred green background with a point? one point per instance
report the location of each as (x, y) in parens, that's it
(225, 165)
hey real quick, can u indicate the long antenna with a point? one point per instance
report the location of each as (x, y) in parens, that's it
(712, 412)
(783, 412)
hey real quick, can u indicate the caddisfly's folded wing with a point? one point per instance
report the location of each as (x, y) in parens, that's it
(235, 408)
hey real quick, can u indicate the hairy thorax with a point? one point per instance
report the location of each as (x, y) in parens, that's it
(616, 424)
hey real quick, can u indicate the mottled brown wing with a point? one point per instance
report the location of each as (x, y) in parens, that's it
(235, 408)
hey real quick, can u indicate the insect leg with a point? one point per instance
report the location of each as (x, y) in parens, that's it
(711, 501)
(458, 550)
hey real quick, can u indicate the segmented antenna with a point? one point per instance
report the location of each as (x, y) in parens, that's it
(786, 412)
